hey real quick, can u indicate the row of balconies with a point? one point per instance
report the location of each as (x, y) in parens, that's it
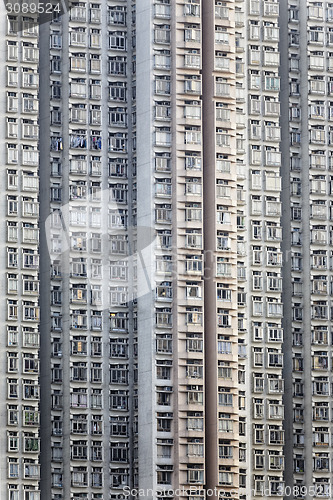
(27, 130)
(28, 311)
(192, 85)
(30, 337)
(272, 488)
(91, 90)
(29, 259)
(82, 268)
(321, 463)
(29, 206)
(80, 372)
(79, 321)
(320, 62)
(80, 425)
(80, 63)
(80, 167)
(272, 255)
(273, 283)
(116, 41)
(119, 399)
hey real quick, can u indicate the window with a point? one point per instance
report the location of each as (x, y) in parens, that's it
(193, 185)
(118, 374)
(162, 9)
(79, 477)
(194, 343)
(194, 395)
(12, 414)
(117, 65)
(194, 316)
(224, 370)
(162, 33)
(12, 336)
(192, 110)
(193, 264)
(79, 371)
(194, 421)
(192, 84)
(222, 137)
(119, 426)
(272, 83)
(117, 91)
(118, 348)
(163, 344)
(225, 398)
(223, 318)
(195, 474)
(117, 40)
(162, 85)
(119, 452)
(163, 136)
(192, 8)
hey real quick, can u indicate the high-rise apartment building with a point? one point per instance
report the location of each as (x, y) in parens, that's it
(158, 332)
